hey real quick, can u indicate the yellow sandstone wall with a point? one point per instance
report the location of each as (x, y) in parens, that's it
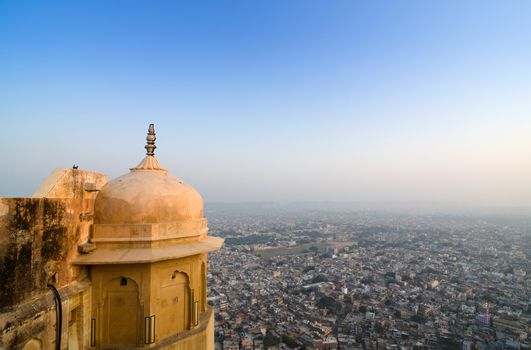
(166, 290)
(38, 238)
(200, 338)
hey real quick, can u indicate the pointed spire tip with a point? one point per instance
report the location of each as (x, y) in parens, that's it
(150, 145)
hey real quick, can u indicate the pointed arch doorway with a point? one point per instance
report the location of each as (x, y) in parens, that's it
(175, 296)
(122, 312)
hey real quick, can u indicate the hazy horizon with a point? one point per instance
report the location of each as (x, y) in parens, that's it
(272, 101)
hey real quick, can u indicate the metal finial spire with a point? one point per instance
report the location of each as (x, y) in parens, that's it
(150, 146)
(149, 162)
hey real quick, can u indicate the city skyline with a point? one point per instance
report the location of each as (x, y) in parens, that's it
(268, 101)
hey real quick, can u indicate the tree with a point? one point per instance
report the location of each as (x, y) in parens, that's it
(330, 303)
(319, 278)
(308, 269)
(270, 340)
(417, 318)
(289, 341)
(379, 328)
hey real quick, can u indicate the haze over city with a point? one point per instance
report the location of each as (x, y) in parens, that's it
(274, 101)
(265, 175)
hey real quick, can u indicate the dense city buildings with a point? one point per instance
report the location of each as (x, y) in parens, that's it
(359, 280)
(88, 263)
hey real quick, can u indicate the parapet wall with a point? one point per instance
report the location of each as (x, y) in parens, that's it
(70, 183)
(39, 237)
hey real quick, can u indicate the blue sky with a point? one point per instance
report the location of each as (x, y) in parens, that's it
(274, 100)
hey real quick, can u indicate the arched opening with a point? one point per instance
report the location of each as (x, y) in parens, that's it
(33, 344)
(174, 310)
(203, 286)
(52, 279)
(73, 329)
(121, 312)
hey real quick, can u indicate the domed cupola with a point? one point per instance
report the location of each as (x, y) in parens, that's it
(147, 208)
(147, 262)
(148, 194)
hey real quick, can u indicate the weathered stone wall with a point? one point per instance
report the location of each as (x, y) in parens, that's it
(37, 236)
(201, 337)
(70, 183)
(38, 239)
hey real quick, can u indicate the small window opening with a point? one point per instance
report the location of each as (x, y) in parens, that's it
(123, 281)
(73, 316)
(53, 279)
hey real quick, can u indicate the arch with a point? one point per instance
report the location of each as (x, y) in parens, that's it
(174, 310)
(203, 286)
(121, 312)
(33, 344)
(73, 331)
